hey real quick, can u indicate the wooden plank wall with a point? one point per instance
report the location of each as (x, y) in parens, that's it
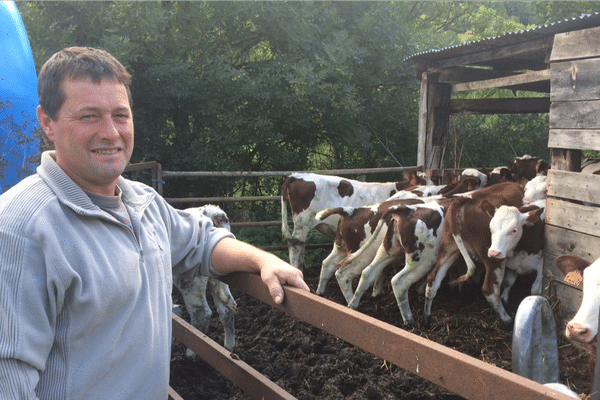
(572, 227)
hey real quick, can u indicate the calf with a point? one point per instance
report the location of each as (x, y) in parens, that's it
(499, 175)
(194, 290)
(535, 189)
(310, 193)
(467, 222)
(518, 238)
(412, 232)
(355, 227)
(582, 330)
(524, 169)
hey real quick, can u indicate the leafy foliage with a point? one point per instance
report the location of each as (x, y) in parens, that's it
(259, 86)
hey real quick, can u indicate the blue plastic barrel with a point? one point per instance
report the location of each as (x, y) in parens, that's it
(19, 139)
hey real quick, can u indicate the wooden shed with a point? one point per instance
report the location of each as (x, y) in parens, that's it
(561, 61)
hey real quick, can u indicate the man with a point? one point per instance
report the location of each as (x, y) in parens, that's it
(87, 257)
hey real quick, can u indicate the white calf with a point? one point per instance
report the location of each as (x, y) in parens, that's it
(194, 291)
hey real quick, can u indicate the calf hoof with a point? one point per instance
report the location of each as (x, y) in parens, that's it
(409, 324)
(507, 325)
(427, 321)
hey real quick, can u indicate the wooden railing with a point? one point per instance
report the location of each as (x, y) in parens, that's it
(461, 374)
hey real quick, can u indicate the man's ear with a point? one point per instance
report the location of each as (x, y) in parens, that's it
(45, 123)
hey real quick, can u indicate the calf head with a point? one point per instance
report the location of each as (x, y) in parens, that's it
(582, 330)
(215, 213)
(506, 227)
(498, 175)
(535, 189)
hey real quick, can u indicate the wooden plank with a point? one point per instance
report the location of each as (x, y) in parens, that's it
(445, 367)
(561, 241)
(580, 139)
(237, 174)
(422, 127)
(584, 43)
(570, 299)
(499, 106)
(173, 395)
(575, 186)
(575, 115)
(254, 384)
(438, 120)
(575, 80)
(573, 216)
(534, 76)
(541, 46)
(460, 74)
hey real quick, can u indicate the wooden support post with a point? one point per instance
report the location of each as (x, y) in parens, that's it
(438, 118)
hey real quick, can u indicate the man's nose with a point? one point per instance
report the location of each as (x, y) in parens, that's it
(108, 128)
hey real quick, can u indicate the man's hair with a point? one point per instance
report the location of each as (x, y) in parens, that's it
(75, 63)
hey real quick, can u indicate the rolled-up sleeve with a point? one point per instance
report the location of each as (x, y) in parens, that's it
(193, 240)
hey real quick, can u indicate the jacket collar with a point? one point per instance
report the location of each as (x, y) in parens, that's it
(71, 195)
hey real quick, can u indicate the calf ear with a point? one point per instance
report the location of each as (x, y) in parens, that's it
(488, 208)
(535, 215)
(570, 262)
(451, 178)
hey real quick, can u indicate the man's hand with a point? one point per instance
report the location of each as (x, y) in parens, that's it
(277, 273)
(231, 255)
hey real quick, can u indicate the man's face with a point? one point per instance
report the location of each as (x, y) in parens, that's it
(92, 134)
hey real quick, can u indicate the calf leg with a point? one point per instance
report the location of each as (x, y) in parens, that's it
(194, 297)
(372, 272)
(297, 243)
(226, 307)
(510, 276)
(330, 265)
(447, 256)
(494, 275)
(346, 274)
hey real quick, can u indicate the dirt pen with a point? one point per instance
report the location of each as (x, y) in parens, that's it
(463, 375)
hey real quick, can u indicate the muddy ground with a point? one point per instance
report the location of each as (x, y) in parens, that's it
(311, 364)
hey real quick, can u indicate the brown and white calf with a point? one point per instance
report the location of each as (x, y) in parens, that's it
(356, 225)
(467, 222)
(582, 330)
(194, 290)
(409, 232)
(525, 168)
(309, 193)
(518, 238)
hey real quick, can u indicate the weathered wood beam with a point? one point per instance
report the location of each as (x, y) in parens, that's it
(580, 139)
(499, 106)
(422, 127)
(469, 74)
(507, 81)
(575, 114)
(542, 45)
(576, 44)
(575, 80)
(438, 120)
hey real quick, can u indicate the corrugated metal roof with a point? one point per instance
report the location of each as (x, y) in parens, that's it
(572, 24)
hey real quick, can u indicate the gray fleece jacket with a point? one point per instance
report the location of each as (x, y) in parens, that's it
(85, 303)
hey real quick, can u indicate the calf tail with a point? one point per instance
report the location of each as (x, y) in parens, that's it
(455, 220)
(321, 215)
(371, 242)
(468, 260)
